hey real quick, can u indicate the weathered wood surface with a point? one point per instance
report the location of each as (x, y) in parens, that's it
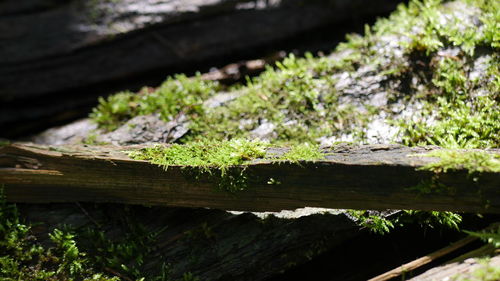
(365, 177)
(57, 56)
(464, 267)
(211, 244)
(409, 267)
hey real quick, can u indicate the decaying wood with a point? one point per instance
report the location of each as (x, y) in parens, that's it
(365, 177)
(463, 267)
(59, 56)
(408, 267)
(211, 244)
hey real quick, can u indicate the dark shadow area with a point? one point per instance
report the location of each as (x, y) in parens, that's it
(369, 255)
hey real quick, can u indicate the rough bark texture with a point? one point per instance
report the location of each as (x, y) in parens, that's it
(211, 244)
(366, 177)
(52, 51)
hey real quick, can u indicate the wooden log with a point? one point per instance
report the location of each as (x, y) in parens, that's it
(409, 267)
(59, 56)
(211, 244)
(363, 177)
(464, 268)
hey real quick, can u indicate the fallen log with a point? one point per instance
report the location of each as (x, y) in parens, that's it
(211, 244)
(354, 177)
(59, 56)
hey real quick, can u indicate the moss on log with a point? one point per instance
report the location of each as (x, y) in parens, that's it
(354, 177)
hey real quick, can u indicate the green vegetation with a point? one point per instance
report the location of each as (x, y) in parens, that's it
(219, 160)
(460, 110)
(23, 258)
(178, 94)
(384, 224)
(430, 58)
(439, 62)
(91, 139)
(443, 65)
(473, 161)
(205, 154)
(303, 152)
(78, 254)
(492, 236)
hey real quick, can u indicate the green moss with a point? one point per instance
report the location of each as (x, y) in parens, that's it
(473, 161)
(178, 94)
(454, 118)
(440, 46)
(300, 99)
(375, 223)
(216, 159)
(303, 152)
(222, 161)
(205, 154)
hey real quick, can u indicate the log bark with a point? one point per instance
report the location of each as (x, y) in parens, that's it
(366, 177)
(211, 244)
(58, 56)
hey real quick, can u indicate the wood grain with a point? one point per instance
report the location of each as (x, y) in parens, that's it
(353, 177)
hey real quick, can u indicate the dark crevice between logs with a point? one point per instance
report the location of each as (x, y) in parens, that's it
(369, 254)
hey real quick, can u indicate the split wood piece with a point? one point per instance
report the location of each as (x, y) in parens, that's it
(408, 267)
(350, 177)
(464, 267)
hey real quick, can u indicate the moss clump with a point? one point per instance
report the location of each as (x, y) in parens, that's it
(460, 108)
(456, 118)
(223, 161)
(303, 152)
(473, 161)
(205, 154)
(297, 99)
(90, 254)
(217, 159)
(440, 61)
(178, 94)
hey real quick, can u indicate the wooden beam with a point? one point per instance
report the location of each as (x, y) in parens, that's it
(362, 177)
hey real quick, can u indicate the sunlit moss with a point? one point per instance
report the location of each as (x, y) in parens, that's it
(299, 100)
(303, 152)
(472, 161)
(219, 160)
